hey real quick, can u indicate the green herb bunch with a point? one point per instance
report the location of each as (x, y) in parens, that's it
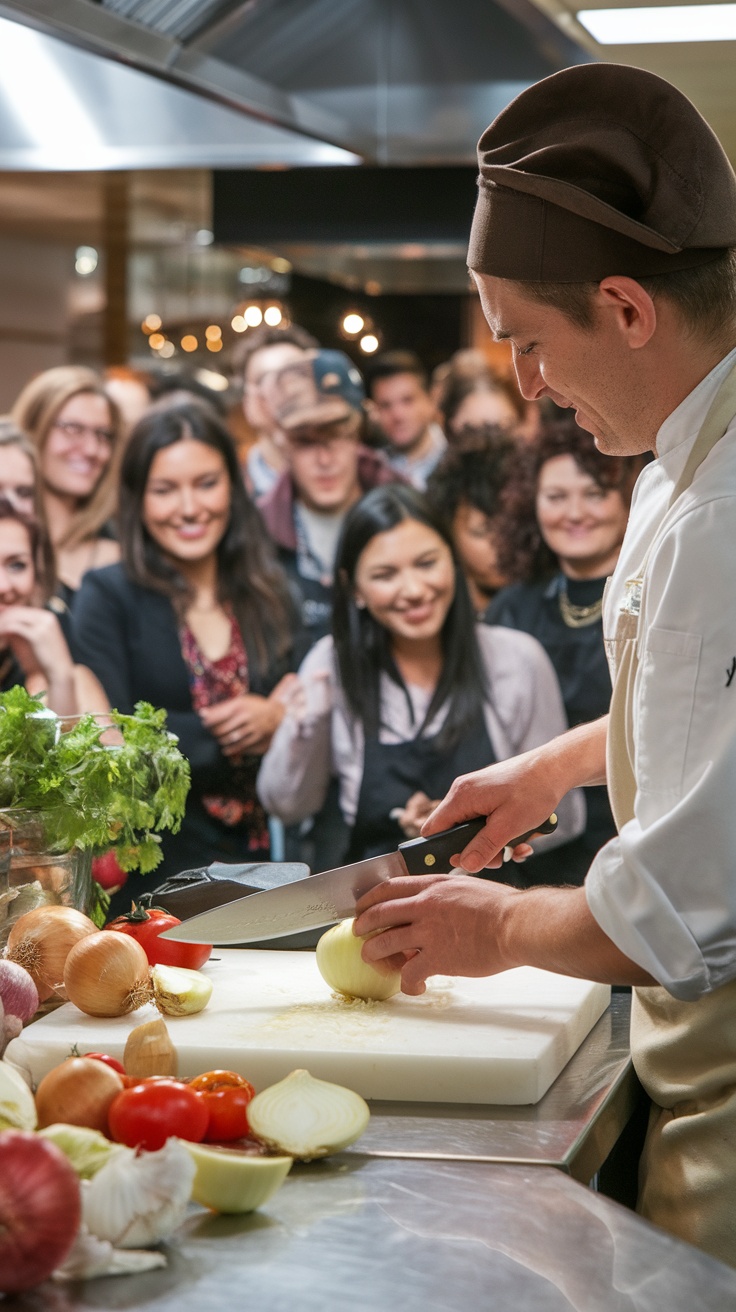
(94, 795)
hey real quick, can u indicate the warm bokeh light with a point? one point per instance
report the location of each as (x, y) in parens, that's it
(189, 342)
(213, 333)
(238, 324)
(214, 344)
(151, 323)
(280, 265)
(156, 341)
(353, 324)
(253, 315)
(272, 316)
(167, 350)
(85, 260)
(369, 343)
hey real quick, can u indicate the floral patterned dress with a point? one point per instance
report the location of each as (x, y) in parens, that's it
(217, 681)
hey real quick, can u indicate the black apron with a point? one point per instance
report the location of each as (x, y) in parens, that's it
(393, 771)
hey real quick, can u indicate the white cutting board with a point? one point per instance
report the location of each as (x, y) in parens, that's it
(498, 1040)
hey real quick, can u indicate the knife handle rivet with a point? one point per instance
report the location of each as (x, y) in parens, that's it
(429, 860)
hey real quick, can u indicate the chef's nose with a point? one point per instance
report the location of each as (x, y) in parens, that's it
(187, 501)
(531, 382)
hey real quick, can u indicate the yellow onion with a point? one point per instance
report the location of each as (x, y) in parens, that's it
(40, 942)
(107, 975)
(343, 968)
(306, 1118)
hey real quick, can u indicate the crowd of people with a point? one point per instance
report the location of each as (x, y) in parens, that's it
(394, 581)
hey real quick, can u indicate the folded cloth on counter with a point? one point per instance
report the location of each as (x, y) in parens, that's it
(193, 891)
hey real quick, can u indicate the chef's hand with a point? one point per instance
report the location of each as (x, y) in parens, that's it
(412, 816)
(515, 795)
(245, 723)
(433, 925)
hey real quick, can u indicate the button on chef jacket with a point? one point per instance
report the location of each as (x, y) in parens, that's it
(664, 890)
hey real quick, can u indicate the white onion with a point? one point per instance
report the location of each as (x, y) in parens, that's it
(343, 968)
(180, 992)
(18, 993)
(304, 1117)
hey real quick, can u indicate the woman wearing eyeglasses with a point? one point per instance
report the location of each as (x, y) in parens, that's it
(75, 427)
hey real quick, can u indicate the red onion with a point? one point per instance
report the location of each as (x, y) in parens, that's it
(18, 993)
(40, 1209)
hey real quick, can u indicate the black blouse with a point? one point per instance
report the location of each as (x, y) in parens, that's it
(129, 638)
(579, 658)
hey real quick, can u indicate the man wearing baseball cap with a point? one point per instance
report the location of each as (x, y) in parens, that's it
(603, 248)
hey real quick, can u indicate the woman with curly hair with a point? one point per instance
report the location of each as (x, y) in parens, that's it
(565, 509)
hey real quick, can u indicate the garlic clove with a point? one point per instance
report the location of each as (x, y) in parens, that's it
(180, 992)
(149, 1051)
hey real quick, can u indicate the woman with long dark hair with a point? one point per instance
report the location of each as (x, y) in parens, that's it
(197, 618)
(565, 509)
(409, 692)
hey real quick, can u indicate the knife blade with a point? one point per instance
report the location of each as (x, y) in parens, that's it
(325, 898)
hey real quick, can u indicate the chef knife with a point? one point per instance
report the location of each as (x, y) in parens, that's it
(322, 899)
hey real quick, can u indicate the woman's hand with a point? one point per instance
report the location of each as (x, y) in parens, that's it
(245, 723)
(412, 816)
(34, 636)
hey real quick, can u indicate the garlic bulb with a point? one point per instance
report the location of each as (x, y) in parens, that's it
(136, 1200)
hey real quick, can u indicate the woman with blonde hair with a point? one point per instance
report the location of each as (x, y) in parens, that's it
(75, 428)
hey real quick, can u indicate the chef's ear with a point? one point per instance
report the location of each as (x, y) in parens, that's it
(634, 311)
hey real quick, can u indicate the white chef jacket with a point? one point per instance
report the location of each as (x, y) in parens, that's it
(664, 890)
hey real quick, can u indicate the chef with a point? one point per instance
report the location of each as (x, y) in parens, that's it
(602, 251)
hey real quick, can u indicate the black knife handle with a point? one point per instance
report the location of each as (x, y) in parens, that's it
(431, 856)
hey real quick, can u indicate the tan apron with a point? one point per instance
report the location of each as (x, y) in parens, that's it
(684, 1052)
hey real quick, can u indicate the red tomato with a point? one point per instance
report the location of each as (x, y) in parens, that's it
(112, 1062)
(146, 926)
(226, 1097)
(145, 1115)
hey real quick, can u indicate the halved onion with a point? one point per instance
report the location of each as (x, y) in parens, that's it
(306, 1118)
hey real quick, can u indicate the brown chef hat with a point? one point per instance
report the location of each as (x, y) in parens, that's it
(598, 170)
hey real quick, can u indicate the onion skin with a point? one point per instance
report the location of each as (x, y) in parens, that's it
(342, 967)
(40, 942)
(78, 1092)
(107, 975)
(40, 1210)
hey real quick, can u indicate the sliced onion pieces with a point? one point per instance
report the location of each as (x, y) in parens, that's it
(180, 992)
(304, 1117)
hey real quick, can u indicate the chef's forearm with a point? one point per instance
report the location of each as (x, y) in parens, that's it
(553, 928)
(577, 759)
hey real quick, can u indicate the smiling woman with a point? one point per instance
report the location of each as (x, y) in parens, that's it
(409, 692)
(75, 428)
(198, 619)
(565, 510)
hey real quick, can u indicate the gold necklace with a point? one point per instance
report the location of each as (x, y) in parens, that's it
(578, 617)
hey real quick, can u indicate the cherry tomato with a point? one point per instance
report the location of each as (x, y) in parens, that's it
(146, 926)
(145, 1115)
(226, 1097)
(112, 1062)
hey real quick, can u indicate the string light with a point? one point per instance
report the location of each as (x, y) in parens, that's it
(167, 350)
(353, 324)
(189, 342)
(272, 316)
(253, 315)
(151, 323)
(238, 324)
(213, 333)
(156, 341)
(214, 343)
(369, 343)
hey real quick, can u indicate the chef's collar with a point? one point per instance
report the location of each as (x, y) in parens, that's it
(680, 428)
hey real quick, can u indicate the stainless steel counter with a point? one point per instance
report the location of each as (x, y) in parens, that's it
(361, 1233)
(574, 1126)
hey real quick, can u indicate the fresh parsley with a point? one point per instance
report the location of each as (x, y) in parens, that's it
(94, 795)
